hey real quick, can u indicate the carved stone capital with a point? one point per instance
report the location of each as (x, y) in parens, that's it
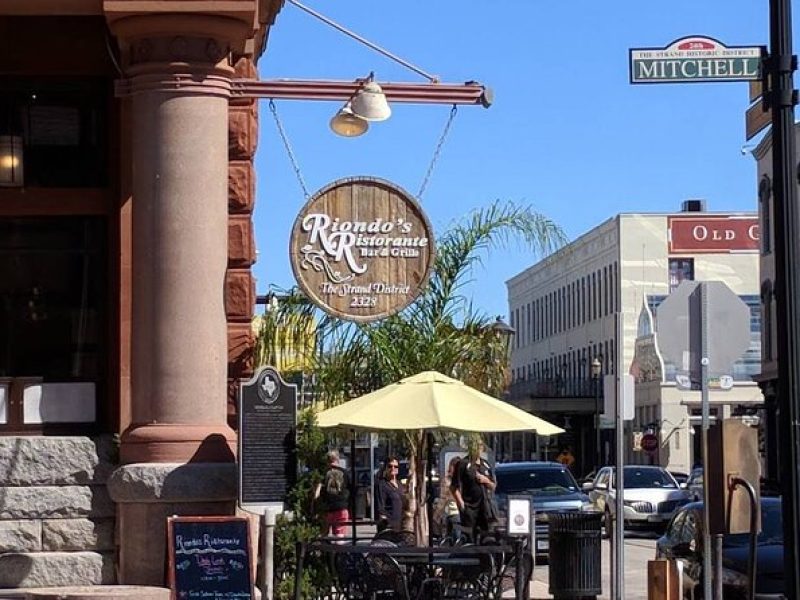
(186, 49)
(232, 21)
(177, 53)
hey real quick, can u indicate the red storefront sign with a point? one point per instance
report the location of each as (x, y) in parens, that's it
(723, 233)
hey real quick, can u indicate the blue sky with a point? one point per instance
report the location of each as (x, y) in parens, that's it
(567, 133)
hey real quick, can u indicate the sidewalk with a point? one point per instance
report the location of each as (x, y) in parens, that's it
(539, 590)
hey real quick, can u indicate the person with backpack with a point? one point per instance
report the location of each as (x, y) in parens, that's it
(334, 492)
(389, 501)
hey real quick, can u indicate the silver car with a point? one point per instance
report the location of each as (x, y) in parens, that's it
(650, 498)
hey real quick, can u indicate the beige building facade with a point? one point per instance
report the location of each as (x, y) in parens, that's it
(589, 302)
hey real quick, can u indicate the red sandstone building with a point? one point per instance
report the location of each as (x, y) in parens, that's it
(126, 192)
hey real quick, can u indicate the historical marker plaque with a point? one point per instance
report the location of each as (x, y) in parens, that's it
(362, 249)
(267, 426)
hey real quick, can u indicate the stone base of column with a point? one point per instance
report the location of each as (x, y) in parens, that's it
(177, 443)
(147, 493)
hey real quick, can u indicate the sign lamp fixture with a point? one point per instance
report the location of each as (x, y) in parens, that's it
(364, 99)
(348, 124)
(370, 103)
(367, 104)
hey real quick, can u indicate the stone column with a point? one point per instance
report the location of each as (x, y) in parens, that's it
(179, 85)
(178, 452)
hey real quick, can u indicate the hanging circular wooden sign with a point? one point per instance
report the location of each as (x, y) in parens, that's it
(362, 249)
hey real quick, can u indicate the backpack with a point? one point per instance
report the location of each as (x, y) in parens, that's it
(334, 483)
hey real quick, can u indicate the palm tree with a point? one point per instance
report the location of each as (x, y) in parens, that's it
(440, 331)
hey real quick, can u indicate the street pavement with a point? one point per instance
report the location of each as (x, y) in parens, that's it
(639, 548)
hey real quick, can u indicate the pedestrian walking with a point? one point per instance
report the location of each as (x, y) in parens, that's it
(566, 458)
(446, 511)
(334, 492)
(473, 489)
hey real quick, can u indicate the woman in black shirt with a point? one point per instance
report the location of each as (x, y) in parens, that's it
(389, 501)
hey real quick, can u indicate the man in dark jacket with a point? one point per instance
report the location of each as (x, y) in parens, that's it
(473, 485)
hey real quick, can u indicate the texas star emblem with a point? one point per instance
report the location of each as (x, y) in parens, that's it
(268, 388)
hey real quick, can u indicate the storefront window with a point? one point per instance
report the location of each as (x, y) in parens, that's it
(53, 310)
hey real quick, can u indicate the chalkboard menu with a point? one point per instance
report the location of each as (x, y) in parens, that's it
(267, 420)
(209, 558)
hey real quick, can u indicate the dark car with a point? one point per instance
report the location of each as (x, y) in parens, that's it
(550, 485)
(680, 477)
(684, 540)
(694, 485)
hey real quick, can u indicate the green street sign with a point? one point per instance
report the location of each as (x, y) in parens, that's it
(695, 59)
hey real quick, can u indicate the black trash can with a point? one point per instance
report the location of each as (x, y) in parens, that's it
(574, 554)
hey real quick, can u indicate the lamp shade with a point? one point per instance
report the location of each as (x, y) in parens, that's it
(346, 124)
(11, 166)
(370, 103)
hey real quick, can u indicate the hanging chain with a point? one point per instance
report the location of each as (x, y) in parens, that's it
(437, 151)
(288, 147)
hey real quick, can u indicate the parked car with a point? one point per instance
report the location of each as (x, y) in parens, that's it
(683, 540)
(694, 485)
(680, 477)
(588, 478)
(550, 485)
(650, 498)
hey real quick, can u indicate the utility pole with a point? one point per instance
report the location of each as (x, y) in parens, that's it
(781, 97)
(619, 471)
(705, 424)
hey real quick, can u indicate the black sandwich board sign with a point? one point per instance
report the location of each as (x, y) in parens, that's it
(694, 59)
(267, 429)
(209, 558)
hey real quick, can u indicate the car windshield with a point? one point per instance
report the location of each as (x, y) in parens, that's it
(535, 481)
(771, 528)
(648, 478)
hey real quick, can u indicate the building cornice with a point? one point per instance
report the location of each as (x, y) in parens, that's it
(606, 227)
(267, 13)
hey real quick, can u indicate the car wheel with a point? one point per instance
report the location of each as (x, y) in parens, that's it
(608, 524)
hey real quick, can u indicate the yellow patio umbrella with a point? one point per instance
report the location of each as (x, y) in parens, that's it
(430, 400)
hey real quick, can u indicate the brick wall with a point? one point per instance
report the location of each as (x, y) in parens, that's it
(240, 288)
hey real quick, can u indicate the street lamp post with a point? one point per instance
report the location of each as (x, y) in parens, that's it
(596, 368)
(780, 67)
(504, 331)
